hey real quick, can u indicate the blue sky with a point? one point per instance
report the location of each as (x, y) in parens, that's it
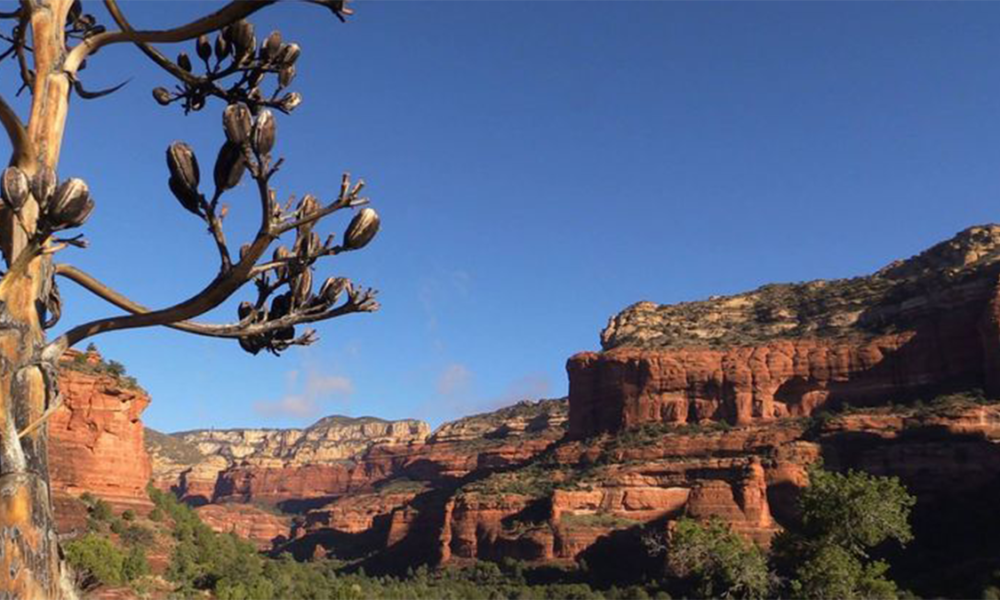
(538, 167)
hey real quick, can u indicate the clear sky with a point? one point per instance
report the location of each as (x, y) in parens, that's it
(538, 167)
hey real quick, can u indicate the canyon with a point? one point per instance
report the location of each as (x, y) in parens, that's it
(708, 408)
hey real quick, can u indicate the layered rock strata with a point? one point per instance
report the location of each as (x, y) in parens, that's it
(916, 328)
(96, 440)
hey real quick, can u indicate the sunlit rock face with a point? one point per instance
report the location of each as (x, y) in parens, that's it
(915, 328)
(96, 440)
(271, 464)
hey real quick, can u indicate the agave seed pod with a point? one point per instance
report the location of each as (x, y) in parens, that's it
(256, 77)
(245, 310)
(285, 334)
(189, 199)
(280, 306)
(307, 244)
(289, 54)
(204, 47)
(229, 166)
(243, 39)
(251, 344)
(291, 101)
(53, 306)
(302, 287)
(307, 206)
(221, 46)
(14, 187)
(162, 96)
(362, 229)
(331, 290)
(75, 11)
(286, 75)
(184, 61)
(315, 245)
(71, 204)
(183, 165)
(271, 46)
(280, 254)
(238, 123)
(43, 185)
(263, 133)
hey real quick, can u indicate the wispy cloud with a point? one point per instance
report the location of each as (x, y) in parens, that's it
(530, 387)
(308, 398)
(454, 380)
(457, 394)
(439, 289)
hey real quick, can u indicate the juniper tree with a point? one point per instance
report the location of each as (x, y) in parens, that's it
(50, 42)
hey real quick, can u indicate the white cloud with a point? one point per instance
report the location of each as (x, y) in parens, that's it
(456, 379)
(307, 399)
(439, 290)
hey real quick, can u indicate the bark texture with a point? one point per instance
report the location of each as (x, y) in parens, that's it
(30, 565)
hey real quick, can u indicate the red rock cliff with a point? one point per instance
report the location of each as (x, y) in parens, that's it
(917, 327)
(96, 441)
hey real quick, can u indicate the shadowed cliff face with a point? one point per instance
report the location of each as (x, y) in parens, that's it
(918, 327)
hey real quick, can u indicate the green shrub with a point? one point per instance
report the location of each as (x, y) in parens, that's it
(843, 517)
(833, 572)
(136, 535)
(135, 564)
(128, 515)
(719, 562)
(95, 560)
(156, 515)
(101, 510)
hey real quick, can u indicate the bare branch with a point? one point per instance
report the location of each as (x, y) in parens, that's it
(16, 132)
(361, 302)
(217, 292)
(232, 12)
(154, 54)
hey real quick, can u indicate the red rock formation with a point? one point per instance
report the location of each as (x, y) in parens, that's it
(274, 485)
(263, 528)
(626, 387)
(916, 328)
(96, 445)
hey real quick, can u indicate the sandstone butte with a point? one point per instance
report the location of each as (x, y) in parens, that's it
(701, 408)
(96, 440)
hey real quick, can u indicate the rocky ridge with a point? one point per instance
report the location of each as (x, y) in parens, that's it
(895, 298)
(191, 461)
(919, 327)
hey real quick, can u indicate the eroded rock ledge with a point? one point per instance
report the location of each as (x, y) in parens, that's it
(918, 327)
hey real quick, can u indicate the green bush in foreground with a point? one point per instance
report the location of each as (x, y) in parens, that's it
(720, 562)
(844, 516)
(96, 560)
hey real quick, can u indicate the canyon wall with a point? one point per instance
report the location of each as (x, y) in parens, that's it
(714, 408)
(916, 328)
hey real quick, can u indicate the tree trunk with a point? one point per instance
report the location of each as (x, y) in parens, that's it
(29, 554)
(30, 563)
